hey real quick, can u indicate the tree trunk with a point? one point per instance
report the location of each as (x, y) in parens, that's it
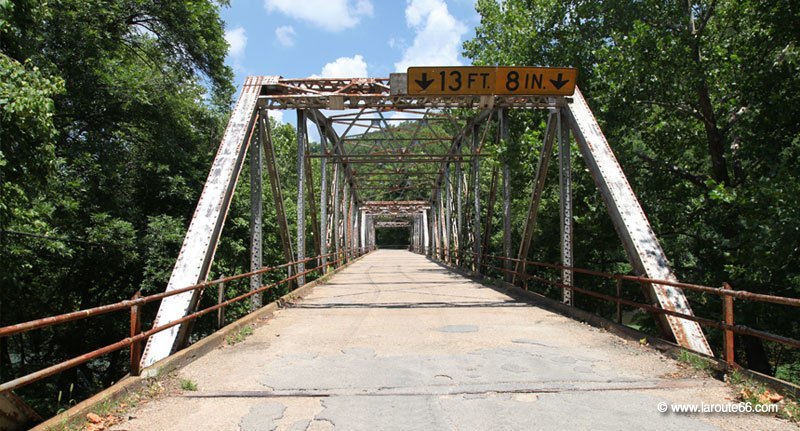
(714, 136)
(757, 359)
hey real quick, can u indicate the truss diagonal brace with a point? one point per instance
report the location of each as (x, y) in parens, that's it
(632, 226)
(319, 119)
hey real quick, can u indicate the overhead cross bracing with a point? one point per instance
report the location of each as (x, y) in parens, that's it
(378, 143)
(381, 93)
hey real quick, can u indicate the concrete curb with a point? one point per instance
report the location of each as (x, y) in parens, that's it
(132, 384)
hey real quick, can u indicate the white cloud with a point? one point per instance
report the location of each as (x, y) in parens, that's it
(276, 115)
(345, 67)
(285, 35)
(331, 15)
(237, 41)
(438, 35)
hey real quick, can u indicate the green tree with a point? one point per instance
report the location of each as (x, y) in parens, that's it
(110, 113)
(699, 100)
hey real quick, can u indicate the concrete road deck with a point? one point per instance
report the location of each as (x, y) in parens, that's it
(397, 342)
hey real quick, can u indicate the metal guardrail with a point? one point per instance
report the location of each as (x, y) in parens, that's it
(137, 336)
(726, 293)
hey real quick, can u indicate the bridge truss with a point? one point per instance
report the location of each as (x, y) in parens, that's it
(388, 159)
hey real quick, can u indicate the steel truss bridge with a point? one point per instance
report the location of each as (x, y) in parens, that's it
(428, 177)
(387, 159)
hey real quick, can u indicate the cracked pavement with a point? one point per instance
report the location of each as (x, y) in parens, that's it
(397, 342)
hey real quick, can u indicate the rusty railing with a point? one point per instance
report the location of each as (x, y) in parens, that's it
(137, 336)
(725, 292)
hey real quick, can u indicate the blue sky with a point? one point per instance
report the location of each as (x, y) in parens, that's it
(344, 38)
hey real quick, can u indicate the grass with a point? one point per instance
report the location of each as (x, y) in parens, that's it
(694, 361)
(113, 410)
(240, 335)
(188, 385)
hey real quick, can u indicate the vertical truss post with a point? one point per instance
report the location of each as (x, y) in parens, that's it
(441, 227)
(413, 242)
(301, 204)
(565, 185)
(256, 218)
(476, 197)
(459, 208)
(372, 232)
(536, 194)
(487, 229)
(504, 135)
(425, 232)
(432, 228)
(435, 228)
(363, 228)
(448, 214)
(337, 206)
(417, 233)
(420, 234)
(346, 221)
(323, 208)
(351, 220)
(356, 225)
(312, 205)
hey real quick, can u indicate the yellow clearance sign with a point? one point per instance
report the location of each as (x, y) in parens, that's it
(522, 81)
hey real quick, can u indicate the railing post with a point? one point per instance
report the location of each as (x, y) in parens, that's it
(727, 307)
(220, 310)
(136, 328)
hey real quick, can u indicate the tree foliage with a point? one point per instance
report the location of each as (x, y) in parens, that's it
(110, 112)
(700, 101)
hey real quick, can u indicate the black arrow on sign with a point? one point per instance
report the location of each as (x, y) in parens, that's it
(558, 83)
(424, 82)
